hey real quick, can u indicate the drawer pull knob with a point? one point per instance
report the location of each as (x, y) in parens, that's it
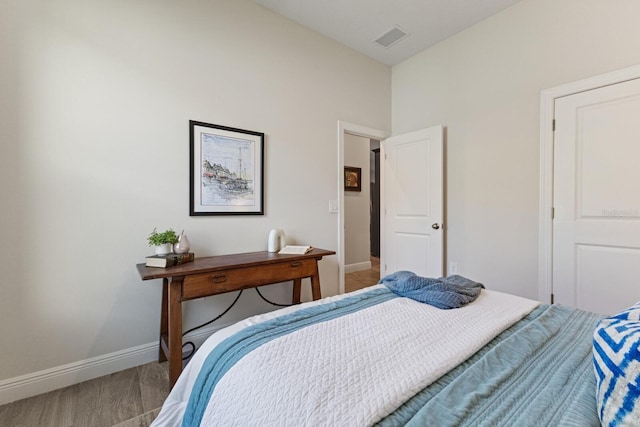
(296, 264)
(221, 278)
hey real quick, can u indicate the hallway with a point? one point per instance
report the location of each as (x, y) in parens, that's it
(363, 278)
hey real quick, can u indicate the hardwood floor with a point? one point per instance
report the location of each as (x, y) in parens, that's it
(363, 278)
(104, 401)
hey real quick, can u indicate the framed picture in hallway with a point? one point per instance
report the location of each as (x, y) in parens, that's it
(226, 170)
(352, 179)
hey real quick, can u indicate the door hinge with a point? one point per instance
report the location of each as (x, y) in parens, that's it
(551, 298)
(553, 125)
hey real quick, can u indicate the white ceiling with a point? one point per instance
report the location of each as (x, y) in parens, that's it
(357, 23)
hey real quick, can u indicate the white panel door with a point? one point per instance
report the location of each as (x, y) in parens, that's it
(596, 225)
(412, 203)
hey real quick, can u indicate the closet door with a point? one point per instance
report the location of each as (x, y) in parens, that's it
(596, 224)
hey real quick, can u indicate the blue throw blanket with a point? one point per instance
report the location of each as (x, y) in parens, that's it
(536, 373)
(447, 292)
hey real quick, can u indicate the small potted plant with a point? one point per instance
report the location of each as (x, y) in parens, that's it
(163, 242)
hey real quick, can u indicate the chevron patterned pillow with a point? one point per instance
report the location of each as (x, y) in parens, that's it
(616, 358)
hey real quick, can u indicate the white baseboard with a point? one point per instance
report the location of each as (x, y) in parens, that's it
(35, 383)
(350, 268)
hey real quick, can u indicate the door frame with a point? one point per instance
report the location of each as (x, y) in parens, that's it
(547, 114)
(365, 132)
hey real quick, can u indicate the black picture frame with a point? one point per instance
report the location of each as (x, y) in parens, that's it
(226, 170)
(352, 178)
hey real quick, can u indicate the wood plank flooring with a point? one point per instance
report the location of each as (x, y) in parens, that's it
(104, 401)
(363, 278)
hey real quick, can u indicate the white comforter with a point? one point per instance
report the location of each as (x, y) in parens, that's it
(352, 370)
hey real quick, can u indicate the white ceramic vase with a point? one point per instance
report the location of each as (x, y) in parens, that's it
(276, 240)
(182, 246)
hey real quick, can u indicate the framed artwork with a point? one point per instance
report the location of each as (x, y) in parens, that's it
(226, 167)
(352, 179)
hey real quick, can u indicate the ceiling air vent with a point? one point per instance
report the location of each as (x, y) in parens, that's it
(391, 37)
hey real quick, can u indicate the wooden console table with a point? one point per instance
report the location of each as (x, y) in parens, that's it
(219, 274)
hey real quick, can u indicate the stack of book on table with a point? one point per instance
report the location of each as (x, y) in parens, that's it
(169, 260)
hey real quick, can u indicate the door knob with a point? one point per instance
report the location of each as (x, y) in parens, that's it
(435, 226)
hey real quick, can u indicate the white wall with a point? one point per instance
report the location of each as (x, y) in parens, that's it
(484, 85)
(95, 102)
(357, 204)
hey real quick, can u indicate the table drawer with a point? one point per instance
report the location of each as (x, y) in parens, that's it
(198, 285)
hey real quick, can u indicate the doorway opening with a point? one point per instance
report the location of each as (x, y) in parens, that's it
(358, 237)
(362, 213)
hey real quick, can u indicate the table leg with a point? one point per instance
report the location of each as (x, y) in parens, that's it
(297, 285)
(164, 319)
(174, 340)
(315, 284)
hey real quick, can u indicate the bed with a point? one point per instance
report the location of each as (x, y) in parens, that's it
(372, 357)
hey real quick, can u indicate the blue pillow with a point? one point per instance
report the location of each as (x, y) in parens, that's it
(616, 359)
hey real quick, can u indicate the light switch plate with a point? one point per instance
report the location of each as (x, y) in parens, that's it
(453, 268)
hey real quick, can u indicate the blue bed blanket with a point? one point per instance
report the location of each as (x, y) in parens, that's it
(536, 373)
(445, 293)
